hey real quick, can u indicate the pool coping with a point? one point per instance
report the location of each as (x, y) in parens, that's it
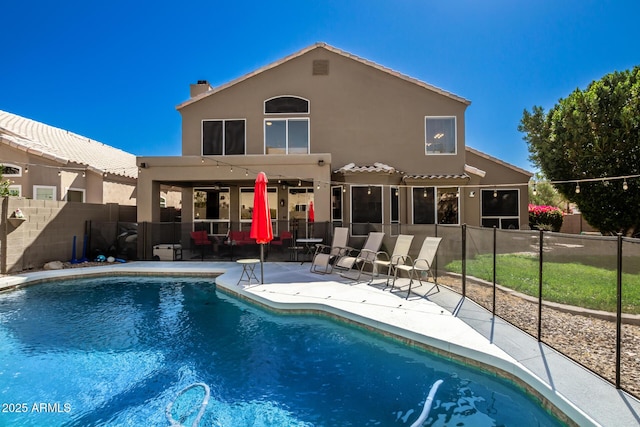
(292, 288)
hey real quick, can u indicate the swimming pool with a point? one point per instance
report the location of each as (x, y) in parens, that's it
(118, 350)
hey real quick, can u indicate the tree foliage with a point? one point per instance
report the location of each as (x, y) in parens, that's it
(545, 193)
(4, 185)
(593, 134)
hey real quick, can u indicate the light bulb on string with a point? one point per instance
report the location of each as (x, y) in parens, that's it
(625, 186)
(578, 188)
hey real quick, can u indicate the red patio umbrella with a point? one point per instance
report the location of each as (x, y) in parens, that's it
(261, 228)
(311, 217)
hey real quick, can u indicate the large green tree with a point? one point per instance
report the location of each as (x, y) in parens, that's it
(587, 137)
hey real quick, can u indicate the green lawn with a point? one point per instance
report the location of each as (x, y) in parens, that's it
(567, 283)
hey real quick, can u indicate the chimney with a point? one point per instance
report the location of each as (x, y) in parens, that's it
(201, 87)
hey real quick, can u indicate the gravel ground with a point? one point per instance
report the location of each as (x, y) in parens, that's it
(589, 341)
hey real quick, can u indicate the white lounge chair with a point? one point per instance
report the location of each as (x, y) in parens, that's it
(398, 256)
(325, 255)
(366, 255)
(421, 265)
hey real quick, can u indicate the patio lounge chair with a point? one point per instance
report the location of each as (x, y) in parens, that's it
(421, 265)
(398, 256)
(325, 255)
(367, 255)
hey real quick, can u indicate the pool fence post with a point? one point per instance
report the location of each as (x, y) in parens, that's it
(435, 261)
(540, 263)
(495, 249)
(619, 311)
(464, 260)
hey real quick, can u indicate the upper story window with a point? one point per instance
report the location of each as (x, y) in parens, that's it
(223, 137)
(286, 105)
(286, 135)
(440, 135)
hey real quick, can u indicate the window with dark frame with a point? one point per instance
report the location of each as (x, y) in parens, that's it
(366, 208)
(223, 137)
(500, 208)
(286, 105)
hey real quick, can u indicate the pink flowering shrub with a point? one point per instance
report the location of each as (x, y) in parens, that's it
(545, 217)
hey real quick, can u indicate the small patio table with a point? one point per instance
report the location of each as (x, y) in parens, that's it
(248, 269)
(309, 246)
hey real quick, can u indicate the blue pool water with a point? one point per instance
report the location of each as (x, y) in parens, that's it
(117, 351)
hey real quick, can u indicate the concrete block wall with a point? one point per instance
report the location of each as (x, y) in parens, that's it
(47, 232)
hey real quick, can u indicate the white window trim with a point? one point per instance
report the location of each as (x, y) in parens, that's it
(273, 220)
(12, 175)
(81, 190)
(341, 219)
(500, 218)
(455, 132)
(14, 187)
(53, 187)
(286, 119)
(394, 223)
(223, 136)
(264, 105)
(210, 221)
(435, 202)
(308, 190)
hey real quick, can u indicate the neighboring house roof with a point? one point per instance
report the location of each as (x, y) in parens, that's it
(496, 160)
(330, 49)
(64, 147)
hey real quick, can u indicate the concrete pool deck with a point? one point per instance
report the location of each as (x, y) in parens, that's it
(442, 321)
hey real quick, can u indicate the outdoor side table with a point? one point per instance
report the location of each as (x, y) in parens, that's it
(248, 269)
(309, 246)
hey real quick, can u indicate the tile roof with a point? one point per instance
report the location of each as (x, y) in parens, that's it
(64, 147)
(321, 45)
(442, 176)
(376, 167)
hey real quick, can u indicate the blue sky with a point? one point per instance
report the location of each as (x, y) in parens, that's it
(115, 70)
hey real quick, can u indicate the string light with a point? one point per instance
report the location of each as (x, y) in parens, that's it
(424, 193)
(369, 190)
(460, 186)
(625, 186)
(535, 192)
(578, 188)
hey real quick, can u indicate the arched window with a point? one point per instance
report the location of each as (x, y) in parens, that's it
(286, 105)
(286, 135)
(10, 170)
